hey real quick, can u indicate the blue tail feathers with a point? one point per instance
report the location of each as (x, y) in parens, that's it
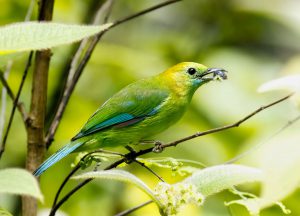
(60, 154)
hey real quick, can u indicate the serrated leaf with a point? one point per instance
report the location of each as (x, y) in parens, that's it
(120, 175)
(43, 35)
(20, 182)
(4, 212)
(215, 179)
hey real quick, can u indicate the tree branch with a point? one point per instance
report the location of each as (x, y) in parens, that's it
(71, 85)
(16, 104)
(36, 147)
(76, 168)
(20, 105)
(149, 169)
(6, 85)
(127, 212)
(131, 156)
(4, 93)
(224, 127)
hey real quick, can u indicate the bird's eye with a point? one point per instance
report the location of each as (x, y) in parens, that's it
(191, 71)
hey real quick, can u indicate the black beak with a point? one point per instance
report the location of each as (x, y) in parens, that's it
(217, 73)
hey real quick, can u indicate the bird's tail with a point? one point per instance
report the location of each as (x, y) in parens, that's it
(57, 156)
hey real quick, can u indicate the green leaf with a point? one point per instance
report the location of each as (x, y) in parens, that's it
(3, 212)
(120, 175)
(43, 35)
(215, 179)
(19, 181)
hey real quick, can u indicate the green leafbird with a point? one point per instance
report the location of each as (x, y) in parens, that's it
(140, 110)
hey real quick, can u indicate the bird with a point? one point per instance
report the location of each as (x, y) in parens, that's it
(140, 110)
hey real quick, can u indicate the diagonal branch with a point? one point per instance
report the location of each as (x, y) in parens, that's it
(149, 169)
(71, 85)
(6, 85)
(76, 168)
(236, 124)
(4, 92)
(128, 211)
(133, 155)
(15, 105)
(12, 96)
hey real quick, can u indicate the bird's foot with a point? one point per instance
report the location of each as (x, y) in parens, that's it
(159, 147)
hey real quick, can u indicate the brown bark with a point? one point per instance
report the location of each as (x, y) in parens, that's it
(36, 119)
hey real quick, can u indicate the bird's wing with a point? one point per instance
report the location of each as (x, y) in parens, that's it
(129, 106)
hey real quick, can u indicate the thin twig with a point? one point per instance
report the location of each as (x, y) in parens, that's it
(128, 211)
(74, 170)
(4, 92)
(80, 185)
(10, 93)
(227, 126)
(131, 156)
(126, 19)
(149, 169)
(83, 45)
(19, 105)
(74, 73)
(16, 102)
(77, 167)
(70, 87)
(107, 6)
(6, 86)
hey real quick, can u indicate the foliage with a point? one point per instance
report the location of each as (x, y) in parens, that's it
(3, 212)
(194, 189)
(19, 181)
(42, 35)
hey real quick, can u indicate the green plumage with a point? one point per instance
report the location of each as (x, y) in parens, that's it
(138, 111)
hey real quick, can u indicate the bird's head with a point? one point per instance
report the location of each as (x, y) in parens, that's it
(190, 75)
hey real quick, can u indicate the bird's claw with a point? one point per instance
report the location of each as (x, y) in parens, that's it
(158, 147)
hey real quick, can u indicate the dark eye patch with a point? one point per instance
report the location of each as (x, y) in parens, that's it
(191, 71)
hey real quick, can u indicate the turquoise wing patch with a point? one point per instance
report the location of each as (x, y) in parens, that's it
(121, 118)
(129, 106)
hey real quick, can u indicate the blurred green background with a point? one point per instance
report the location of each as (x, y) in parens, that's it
(255, 41)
